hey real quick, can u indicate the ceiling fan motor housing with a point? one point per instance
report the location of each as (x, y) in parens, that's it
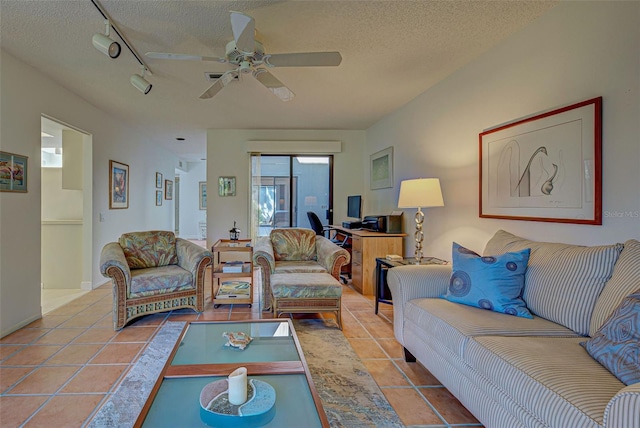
(235, 56)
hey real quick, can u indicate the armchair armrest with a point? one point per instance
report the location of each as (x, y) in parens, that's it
(623, 411)
(113, 262)
(193, 258)
(263, 257)
(414, 282)
(331, 256)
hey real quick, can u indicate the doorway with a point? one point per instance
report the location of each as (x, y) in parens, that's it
(66, 207)
(286, 187)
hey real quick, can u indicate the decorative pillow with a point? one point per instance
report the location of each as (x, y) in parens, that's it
(149, 249)
(563, 281)
(293, 244)
(617, 344)
(493, 282)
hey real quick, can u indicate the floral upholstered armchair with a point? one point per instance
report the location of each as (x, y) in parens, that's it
(154, 272)
(296, 250)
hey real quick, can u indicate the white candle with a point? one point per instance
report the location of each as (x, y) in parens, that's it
(238, 386)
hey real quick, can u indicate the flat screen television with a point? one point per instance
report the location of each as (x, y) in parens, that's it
(354, 207)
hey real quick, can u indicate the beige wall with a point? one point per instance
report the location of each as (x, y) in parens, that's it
(227, 156)
(578, 51)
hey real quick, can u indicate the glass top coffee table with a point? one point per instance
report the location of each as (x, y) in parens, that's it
(200, 357)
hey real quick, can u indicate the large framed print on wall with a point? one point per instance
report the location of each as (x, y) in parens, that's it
(118, 185)
(547, 167)
(13, 172)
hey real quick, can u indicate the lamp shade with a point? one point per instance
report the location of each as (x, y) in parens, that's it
(420, 193)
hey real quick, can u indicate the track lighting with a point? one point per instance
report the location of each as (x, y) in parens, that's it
(140, 83)
(104, 44)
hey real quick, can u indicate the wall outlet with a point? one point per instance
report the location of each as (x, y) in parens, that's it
(101, 217)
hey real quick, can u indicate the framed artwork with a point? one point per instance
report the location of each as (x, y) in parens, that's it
(13, 172)
(158, 198)
(158, 180)
(227, 186)
(545, 168)
(118, 185)
(203, 194)
(168, 190)
(381, 169)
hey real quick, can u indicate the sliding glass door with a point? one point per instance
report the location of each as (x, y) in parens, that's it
(286, 187)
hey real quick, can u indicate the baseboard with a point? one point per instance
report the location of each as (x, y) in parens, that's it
(21, 324)
(86, 285)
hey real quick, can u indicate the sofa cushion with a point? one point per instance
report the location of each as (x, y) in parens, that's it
(299, 267)
(293, 244)
(159, 280)
(553, 378)
(493, 283)
(149, 249)
(624, 281)
(452, 324)
(617, 344)
(563, 281)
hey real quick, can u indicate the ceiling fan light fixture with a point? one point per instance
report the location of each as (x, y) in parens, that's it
(140, 83)
(105, 44)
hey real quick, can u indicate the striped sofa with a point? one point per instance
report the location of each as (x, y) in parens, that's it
(518, 372)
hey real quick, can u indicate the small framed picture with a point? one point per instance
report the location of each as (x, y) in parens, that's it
(168, 190)
(118, 185)
(203, 195)
(158, 198)
(13, 172)
(158, 180)
(227, 186)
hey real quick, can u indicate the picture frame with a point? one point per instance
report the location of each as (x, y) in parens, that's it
(547, 167)
(158, 180)
(168, 190)
(202, 191)
(14, 171)
(118, 185)
(158, 198)
(226, 186)
(381, 169)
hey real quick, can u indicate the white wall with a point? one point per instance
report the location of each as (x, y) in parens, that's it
(578, 51)
(26, 94)
(227, 156)
(190, 213)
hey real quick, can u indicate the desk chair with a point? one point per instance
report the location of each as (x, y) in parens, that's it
(321, 230)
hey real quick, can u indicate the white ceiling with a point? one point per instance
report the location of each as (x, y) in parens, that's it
(392, 51)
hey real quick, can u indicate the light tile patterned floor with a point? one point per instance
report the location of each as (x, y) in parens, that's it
(59, 370)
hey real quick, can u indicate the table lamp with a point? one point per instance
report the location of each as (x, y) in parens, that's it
(420, 193)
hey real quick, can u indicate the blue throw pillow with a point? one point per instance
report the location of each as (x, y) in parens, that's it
(493, 283)
(617, 344)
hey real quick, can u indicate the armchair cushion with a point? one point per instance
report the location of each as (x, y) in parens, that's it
(149, 249)
(293, 244)
(160, 280)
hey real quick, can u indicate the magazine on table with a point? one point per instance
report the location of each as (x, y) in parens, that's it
(234, 290)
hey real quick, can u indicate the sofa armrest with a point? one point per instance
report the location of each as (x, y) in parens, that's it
(623, 411)
(194, 258)
(263, 257)
(331, 256)
(414, 282)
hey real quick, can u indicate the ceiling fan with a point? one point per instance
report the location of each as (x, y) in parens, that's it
(249, 56)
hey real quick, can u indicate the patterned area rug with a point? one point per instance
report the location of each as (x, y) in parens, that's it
(350, 396)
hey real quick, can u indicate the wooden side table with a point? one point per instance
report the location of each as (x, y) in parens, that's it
(383, 294)
(231, 273)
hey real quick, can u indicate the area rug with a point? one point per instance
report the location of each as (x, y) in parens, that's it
(349, 395)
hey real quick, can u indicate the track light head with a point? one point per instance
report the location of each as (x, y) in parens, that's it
(104, 44)
(140, 83)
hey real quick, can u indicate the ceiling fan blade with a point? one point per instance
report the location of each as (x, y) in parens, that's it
(274, 85)
(163, 55)
(244, 30)
(304, 59)
(220, 83)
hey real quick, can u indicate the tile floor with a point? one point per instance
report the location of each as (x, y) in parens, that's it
(59, 370)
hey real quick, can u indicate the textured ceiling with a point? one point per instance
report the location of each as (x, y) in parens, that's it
(392, 51)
